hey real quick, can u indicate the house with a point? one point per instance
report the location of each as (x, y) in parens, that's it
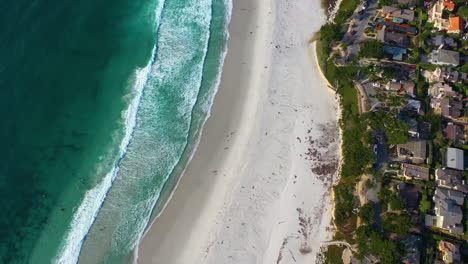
(443, 41)
(416, 105)
(448, 211)
(397, 53)
(451, 108)
(450, 252)
(437, 16)
(414, 150)
(441, 90)
(409, 88)
(449, 5)
(451, 179)
(392, 12)
(454, 133)
(416, 129)
(415, 172)
(392, 38)
(456, 25)
(404, 87)
(445, 57)
(454, 158)
(397, 26)
(411, 193)
(413, 244)
(446, 74)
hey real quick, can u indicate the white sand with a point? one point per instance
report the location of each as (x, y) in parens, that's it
(251, 194)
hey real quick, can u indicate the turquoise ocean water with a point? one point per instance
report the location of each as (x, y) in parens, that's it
(103, 103)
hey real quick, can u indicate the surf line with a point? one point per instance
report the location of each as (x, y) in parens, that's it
(88, 211)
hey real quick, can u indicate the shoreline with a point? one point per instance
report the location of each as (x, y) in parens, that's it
(253, 150)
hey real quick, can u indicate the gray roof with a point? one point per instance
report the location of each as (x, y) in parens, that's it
(451, 108)
(398, 12)
(392, 38)
(414, 150)
(455, 158)
(450, 75)
(443, 40)
(441, 56)
(454, 133)
(448, 204)
(416, 172)
(450, 178)
(413, 245)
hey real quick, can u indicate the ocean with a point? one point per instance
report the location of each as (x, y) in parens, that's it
(103, 104)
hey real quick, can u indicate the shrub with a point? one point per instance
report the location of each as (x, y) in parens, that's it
(372, 49)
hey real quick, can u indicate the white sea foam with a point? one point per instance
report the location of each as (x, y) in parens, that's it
(89, 208)
(228, 11)
(94, 198)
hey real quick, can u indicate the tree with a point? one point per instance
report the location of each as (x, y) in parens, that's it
(366, 212)
(330, 32)
(372, 49)
(395, 130)
(463, 12)
(398, 224)
(396, 203)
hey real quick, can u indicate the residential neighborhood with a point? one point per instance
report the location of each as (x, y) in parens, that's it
(409, 69)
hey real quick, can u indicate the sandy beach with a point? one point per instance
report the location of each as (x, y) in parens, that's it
(258, 187)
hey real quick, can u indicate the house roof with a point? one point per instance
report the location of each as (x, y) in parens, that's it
(410, 193)
(455, 158)
(443, 40)
(415, 171)
(450, 250)
(392, 38)
(394, 86)
(441, 56)
(450, 5)
(396, 52)
(413, 245)
(454, 133)
(414, 149)
(409, 87)
(448, 204)
(440, 89)
(451, 178)
(456, 24)
(449, 74)
(398, 12)
(451, 108)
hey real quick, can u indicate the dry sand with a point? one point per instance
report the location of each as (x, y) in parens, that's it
(258, 187)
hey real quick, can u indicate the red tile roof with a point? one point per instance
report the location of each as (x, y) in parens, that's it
(456, 23)
(450, 5)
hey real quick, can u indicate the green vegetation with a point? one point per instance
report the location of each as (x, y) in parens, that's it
(372, 49)
(395, 130)
(463, 12)
(344, 202)
(398, 224)
(333, 255)
(371, 242)
(366, 213)
(330, 32)
(385, 3)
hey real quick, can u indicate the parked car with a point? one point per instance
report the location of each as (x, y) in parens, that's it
(376, 84)
(352, 33)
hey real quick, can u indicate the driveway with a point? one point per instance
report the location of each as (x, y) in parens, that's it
(359, 26)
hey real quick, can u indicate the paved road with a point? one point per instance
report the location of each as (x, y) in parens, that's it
(359, 27)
